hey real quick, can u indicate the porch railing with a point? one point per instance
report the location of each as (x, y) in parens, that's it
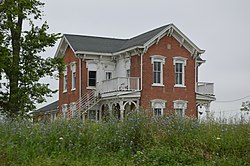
(205, 88)
(118, 84)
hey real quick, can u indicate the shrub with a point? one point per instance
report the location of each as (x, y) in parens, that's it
(138, 140)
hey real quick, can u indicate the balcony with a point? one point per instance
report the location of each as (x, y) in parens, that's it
(118, 84)
(205, 88)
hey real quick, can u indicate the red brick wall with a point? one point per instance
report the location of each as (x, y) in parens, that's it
(69, 96)
(168, 92)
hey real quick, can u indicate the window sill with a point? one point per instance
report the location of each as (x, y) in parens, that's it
(73, 89)
(179, 86)
(159, 85)
(91, 87)
(64, 91)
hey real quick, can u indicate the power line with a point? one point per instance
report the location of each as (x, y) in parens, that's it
(229, 101)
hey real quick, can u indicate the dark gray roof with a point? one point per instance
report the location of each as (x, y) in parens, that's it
(94, 44)
(109, 45)
(143, 38)
(49, 107)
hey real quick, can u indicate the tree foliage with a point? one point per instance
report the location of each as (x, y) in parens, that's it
(245, 106)
(20, 62)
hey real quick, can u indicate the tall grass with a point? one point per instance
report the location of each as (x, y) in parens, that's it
(138, 140)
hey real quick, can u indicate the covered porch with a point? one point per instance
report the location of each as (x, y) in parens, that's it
(118, 86)
(204, 97)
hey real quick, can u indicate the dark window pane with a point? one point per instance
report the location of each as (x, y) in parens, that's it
(92, 78)
(92, 74)
(157, 72)
(158, 77)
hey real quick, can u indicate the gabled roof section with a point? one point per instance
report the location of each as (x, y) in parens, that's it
(142, 39)
(110, 46)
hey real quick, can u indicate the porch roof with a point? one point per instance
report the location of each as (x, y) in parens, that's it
(48, 108)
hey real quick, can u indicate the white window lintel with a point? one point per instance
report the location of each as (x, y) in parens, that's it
(158, 58)
(179, 59)
(65, 70)
(157, 102)
(181, 104)
(73, 66)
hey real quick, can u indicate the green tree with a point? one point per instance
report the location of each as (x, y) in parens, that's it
(245, 106)
(20, 61)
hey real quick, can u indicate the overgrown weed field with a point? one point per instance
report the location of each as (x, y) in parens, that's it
(138, 140)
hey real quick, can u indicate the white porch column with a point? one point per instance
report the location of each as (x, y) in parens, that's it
(121, 110)
(137, 105)
(83, 116)
(100, 113)
(207, 110)
(110, 109)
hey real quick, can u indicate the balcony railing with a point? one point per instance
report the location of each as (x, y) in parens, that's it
(118, 84)
(205, 88)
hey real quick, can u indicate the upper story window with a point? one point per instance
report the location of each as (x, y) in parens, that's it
(179, 63)
(92, 73)
(158, 106)
(73, 70)
(92, 78)
(157, 62)
(65, 79)
(179, 107)
(157, 72)
(108, 75)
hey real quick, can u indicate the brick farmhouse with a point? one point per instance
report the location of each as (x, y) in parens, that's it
(156, 71)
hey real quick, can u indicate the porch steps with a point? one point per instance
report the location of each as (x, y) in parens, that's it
(87, 101)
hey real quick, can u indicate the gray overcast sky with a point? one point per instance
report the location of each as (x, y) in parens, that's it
(221, 27)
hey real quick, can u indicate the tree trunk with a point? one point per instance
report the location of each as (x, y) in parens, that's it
(14, 98)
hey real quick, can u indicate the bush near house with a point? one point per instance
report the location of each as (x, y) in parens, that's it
(138, 140)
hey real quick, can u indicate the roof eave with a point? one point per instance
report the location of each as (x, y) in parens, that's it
(128, 49)
(92, 53)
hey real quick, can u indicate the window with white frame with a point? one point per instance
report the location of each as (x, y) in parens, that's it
(73, 110)
(53, 116)
(180, 63)
(64, 110)
(180, 107)
(157, 72)
(92, 73)
(92, 78)
(65, 79)
(157, 62)
(158, 112)
(108, 75)
(158, 106)
(73, 70)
